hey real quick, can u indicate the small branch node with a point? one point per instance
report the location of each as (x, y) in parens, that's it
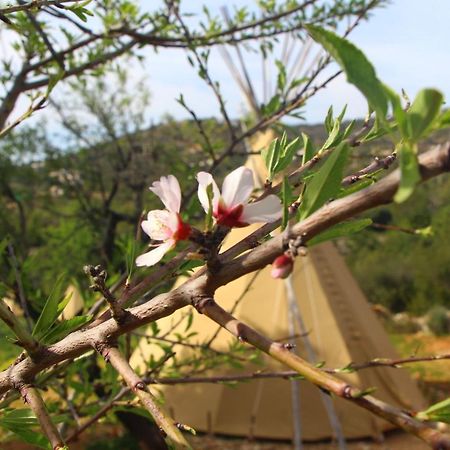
(201, 302)
(140, 385)
(98, 275)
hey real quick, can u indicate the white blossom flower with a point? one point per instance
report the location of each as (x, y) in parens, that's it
(231, 208)
(164, 225)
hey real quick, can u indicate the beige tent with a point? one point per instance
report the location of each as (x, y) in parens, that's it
(341, 328)
(322, 310)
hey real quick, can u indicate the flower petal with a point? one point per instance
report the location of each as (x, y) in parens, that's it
(237, 187)
(153, 256)
(168, 190)
(204, 180)
(266, 210)
(160, 224)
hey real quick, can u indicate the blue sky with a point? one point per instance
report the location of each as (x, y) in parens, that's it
(408, 42)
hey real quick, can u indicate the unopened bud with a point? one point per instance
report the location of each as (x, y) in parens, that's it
(282, 266)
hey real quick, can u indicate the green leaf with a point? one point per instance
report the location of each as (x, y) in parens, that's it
(51, 309)
(308, 148)
(270, 157)
(326, 182)
(409, 168)
(287, 153)
(190, 320)
(30, 437)
(357, 67)
(443, 121)
(18, 416)
(397, 110)
(279, 154)
(287, 197)
(329, 120)
(64, 328)
(19, 421)
(423, 113)
(439, 412)
(340, 230)
(272, 106)
(281, 79)
(355, 187)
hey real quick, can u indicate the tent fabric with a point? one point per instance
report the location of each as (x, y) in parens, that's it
(341, 328)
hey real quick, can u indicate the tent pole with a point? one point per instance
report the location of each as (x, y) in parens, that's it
(326, 400)
(295, 388)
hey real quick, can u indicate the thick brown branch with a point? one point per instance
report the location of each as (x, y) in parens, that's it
(432, 163)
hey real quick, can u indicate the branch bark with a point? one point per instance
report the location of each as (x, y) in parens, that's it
(432, 163)
(327, 382)
(174, 436)
(33, 398)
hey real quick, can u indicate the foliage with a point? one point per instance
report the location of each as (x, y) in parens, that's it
(79, 199)
(439, 321)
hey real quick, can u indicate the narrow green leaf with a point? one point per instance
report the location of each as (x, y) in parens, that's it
(270, 156)
(63, 303)
(329, 120)
(355, 187)
(325, 183)
(340, 230)
(30, 437)
(62, 329)
(281, 79)
(287, 197)
(333, 137)
(423, 112)
(348, 130)
(287, 155)
(439, 412)
(190, 321)
(409, 168)
(308, 148)
(443, 121)
(50, 313)
(397, 110)
(357, 67)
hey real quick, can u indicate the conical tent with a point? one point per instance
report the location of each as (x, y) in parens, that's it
(340, 327)
(320, 308)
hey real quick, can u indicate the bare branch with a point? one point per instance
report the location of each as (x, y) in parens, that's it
(137, 385)
(33, 398)
(318, 377)
(432, 163)
(34, 4)
(24, 338)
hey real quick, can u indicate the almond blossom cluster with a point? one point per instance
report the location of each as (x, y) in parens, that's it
(230, 208)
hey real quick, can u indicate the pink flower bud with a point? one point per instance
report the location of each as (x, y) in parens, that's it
(282, 266)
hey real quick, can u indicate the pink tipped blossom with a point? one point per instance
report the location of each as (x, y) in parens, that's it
(164, 225)
(230, 206)
(282, 266)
